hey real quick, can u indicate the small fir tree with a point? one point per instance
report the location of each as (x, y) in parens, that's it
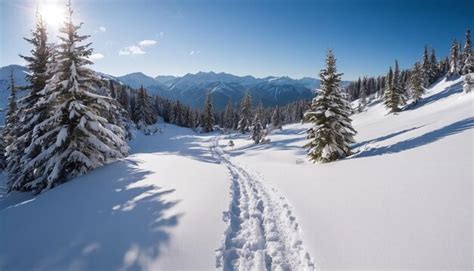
(143, 115)
(394, 96)
(208, 115)
(454, 59)
(332, 133)
(257, 129)
(416, 83)
(245, 114)
(468, 57)
(277, 118)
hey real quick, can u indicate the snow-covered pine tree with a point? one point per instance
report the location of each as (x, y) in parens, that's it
(30, 110)
(245, 114)
(363, 95)
(229, 116)
(10, 132)
(124, 99)
(468, 56)
(332, 131)
(434, 71)
(257, 129)
(76, 137)
(277, 118)
(468, 83)
(208, 115)
(416, 83)
(143, 115)
(394, 96)
(426, 68)
(454, 59)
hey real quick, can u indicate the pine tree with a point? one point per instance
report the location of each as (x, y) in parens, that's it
(277, 118)
(245, 114)
(77, 136)
(363, 95)
(454, 59)
(332, 131)
(394, 95)
(257, 129)
(433, 71)
(229, 116)
(10, 132)
(468, 56)
(143, 115)
(208, 115)
(426, 68)
(416, 83)
(31, 112)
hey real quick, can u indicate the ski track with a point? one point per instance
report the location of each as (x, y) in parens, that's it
(263, 233)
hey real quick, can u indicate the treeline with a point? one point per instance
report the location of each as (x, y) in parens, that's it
(144, 109)
(429, 69)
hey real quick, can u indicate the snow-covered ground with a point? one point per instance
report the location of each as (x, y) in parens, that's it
(159, 209)
(404, 201)
(185, 201)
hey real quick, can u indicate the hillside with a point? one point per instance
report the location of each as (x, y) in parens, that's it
(402, 201)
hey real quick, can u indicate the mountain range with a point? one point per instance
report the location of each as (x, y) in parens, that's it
(191, 89)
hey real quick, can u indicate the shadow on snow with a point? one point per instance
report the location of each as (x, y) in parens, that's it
(180, 141)
(104, 220)
(421, 140)
(456, 88)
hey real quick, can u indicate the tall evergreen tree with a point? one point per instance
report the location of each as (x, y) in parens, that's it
(229, 116)
(363, 95)
(277, 118)
(257, 129)
(454, 59)
(416, 83)
(10, 132)
(468, 56)
(245, 114)
(332, 131)
(394, 96)
(30, 110)
(433, 71)
(77, 136)
(143, 114)
(426, 68)
(208, 115)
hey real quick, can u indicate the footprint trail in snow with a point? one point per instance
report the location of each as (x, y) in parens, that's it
(263, 233)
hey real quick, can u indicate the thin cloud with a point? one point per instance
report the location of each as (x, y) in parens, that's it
(194, 52)
(138, 49)
(101, 29)
(145, 43)
(96, 56)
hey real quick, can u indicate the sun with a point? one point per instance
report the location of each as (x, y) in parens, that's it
(52, 14)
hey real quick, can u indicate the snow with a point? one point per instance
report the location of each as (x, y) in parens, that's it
(187, 201)
(159, 209)
(404, 201)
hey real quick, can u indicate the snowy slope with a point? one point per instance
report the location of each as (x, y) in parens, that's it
(187, 201)
(159, 209)
(404, 201)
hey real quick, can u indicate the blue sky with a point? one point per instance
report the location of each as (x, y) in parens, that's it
(259, 38)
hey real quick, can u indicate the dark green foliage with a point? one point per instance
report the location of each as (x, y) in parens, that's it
(329, 113)
(208, 115)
